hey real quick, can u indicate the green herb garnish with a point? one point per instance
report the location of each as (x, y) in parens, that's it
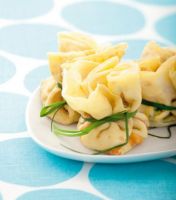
(167, 136)
(46, 110)
(59, 85)
(159, 106)
(94, 124)
(127, 137)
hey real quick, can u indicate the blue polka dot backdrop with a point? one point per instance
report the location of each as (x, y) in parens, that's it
(26, 9)
(12, 112)
(34, 77)
(165, 27)
(28, 31)
(148, 180)
(29, 40)
(158, 2)
(64, 194)
(35, 166)
(106, 18)
(7, 69)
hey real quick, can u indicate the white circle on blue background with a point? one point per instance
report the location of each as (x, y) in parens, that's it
(62, 194)
(33, 78)
(7, 69)
(24, 163)
(103, 17)
(12, 112)
(159, 2)
(135, 47)
(148, 180)
(166, 27)
(30, 40)
(24, 9)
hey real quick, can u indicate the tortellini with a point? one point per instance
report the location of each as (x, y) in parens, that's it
(101, 89)
(158, 81)
(112, 134)
(50, 93)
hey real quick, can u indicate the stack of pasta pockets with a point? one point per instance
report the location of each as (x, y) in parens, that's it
(158, 81)
(100, 85)
(112, 101)
(94, 83)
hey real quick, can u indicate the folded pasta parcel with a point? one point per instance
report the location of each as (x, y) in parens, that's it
(100, 88)
(72, 45)
(158, 80)
(51, 95)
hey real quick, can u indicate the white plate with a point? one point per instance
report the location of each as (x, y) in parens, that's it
(39, 129)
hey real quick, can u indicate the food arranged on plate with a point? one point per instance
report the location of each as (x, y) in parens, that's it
(113, 102)
(158, 82)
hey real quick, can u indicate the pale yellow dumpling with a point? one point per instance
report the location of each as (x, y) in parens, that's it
(71, 45)
(104, 89)
(50, 93)
(112, 134)
(57, 59)
(158, 81)
(104, 53)
(153, 56)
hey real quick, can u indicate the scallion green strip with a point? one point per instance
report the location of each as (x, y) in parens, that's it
(158, 105)
(46, 110)
(167, 136)
(114, 117)
(59, 85)
(94, 124)
(127, 137)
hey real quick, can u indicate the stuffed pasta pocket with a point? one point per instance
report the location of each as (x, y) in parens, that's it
(158, 81)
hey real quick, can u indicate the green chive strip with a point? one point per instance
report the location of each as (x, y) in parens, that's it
(59, 85)
(120, 145)
(158, 105)
(165, 137)
(46, 110)
(52, 120)
(94, 124)
(114, 117)
(162, 137)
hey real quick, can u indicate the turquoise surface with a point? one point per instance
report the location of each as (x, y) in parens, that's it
(26, 9)
(63, 194)
(104, 18)
(25, 163)
(149, 180)
(7, 69)
(33, 78)
(29, 40)
(166, 27)
(158, 2)
(12, 112)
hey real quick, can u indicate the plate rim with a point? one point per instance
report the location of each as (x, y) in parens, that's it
(93, 158)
